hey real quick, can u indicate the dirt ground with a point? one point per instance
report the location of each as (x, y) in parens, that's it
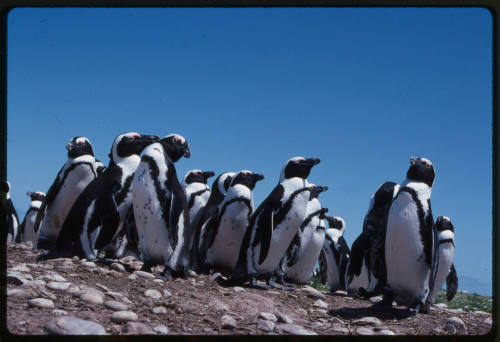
(196, 306)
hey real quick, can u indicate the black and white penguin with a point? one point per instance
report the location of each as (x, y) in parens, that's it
(334, 255)
(274, 224)
(99, 211)
(302, 254)
(160, 207)
(197, 191)
(411, 252)
(201, 237)
(27, 228)
(100, 167)
(366, 269)
(445, 267)
(230, 222)
(11, 223)
(78, 171)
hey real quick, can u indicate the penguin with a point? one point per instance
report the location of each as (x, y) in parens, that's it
(230, 221)
(160, 207)
(334, 255)
(100, 167)
(100, 209)
(197, 191)
(11, 222)
(78, 171)
(201, 237)
(445, 269)
(411, 244)
(274, 224)
(27, 228)
(298, 263)
(366, 273)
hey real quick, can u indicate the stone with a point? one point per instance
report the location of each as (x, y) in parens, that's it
(161, 329)
(313, 293)
(20, 293)
(283, 318)
(115, 306)
(152, 294)
(238, 289)
(69, 325)
(265, 325)
(136, 328)
(42, 303)
(294, 329)
(159, 310)
(268, 316)
(57, 312)
(123, 316)
(145, 275)
(321, 304)
(92, 297)
(385, 332)
(368, 320)
(89, 264)
(58, 285)
(166, 293)
(228, 322)
(364, 331)
(118, 267)
(455, 325)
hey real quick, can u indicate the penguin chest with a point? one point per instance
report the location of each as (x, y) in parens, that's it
(302, 270)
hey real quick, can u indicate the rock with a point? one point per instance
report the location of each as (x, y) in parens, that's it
(441, 305)
(20, 293)
(69, 325)
(283, 318)
(118, 267)
(53, 277)
(145, 275)
(238, 289)
(92, 297)
(166, 293)
(161, 329)
(228, 322)
(294, 329)
(455, 325)
(59, 312)
(265, 325)
(115, 306)
(368, 320)
(58, 285)
(268, 316)
(364, 331)
(123, 316)
(321, 304)
(42, 303)
(136, 328)
(152, 294)
(376, 299)
(385, 332)
(159, 310)
(89, 264)
(313, 293)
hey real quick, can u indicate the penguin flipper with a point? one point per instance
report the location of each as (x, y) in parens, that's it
(323, 266)
(451, 283)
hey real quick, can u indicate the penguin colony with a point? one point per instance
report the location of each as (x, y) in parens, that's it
(137, 206)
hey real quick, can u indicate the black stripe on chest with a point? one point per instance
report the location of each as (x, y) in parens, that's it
(193, 196)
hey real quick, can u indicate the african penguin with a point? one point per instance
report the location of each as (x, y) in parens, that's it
(160, 206)
(78, 171)
(274, 224)
(99, 211)
(230, 222)
(411, 252)
(334, 255)
(27, 228)
(446, 237)
(197, 191)
(11, 222)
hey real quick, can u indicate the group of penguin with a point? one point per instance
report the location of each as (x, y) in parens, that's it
(137, 206)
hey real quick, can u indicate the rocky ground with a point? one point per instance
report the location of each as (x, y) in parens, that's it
(71, 296)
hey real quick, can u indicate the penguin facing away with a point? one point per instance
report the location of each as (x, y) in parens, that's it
(78, 171)
(411, 246)
(230, 221)
(100, 209)
(11, 223)
(27, 228)
(274, 224)
(197, 191)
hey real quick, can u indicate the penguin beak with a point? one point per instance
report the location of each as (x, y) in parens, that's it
(208, 174)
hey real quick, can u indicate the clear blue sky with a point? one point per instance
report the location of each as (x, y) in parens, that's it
(363, 89)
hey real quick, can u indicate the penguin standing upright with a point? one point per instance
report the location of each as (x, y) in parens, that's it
(11, 223)
(27, 228)
(274, 224)
(197, 191)
(160, 207)
(445, 269)
(411, 252)
(78, 171)
(334, 255)
(230, 221)
(100, 209)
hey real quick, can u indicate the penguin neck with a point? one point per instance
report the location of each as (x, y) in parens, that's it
(128, 164)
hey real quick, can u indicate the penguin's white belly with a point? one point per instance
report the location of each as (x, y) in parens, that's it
(29, 231)
(446, 252)
(226, 247)
(407, 271)
(302, 270)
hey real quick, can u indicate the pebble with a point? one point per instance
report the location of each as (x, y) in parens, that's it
(265, 325)
(228, 322)
(58, 285)
(69, 325)
(159, 310)
(115, 306)
(142, 274)
(369, 320)
(152, 294)
(92, 297)
(455, 325)
(364, 331)
(161, 329)
(42, 303)
(136, 328)
(283, 318)
(59, 312)
(294, 329)
(268, 316)
(123, 316)
(313, 293)
(238, 289)
(321, 304)
(20, 293)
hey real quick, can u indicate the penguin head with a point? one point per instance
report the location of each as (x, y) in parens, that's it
(79, 146)
(421, 169)
(131, 143)
(298, 167)
(247, 178)
(335, 222)
(36, 195)
(175, 146)
(316, 190)
(444, 223)
(197, 176)
(5, 187)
